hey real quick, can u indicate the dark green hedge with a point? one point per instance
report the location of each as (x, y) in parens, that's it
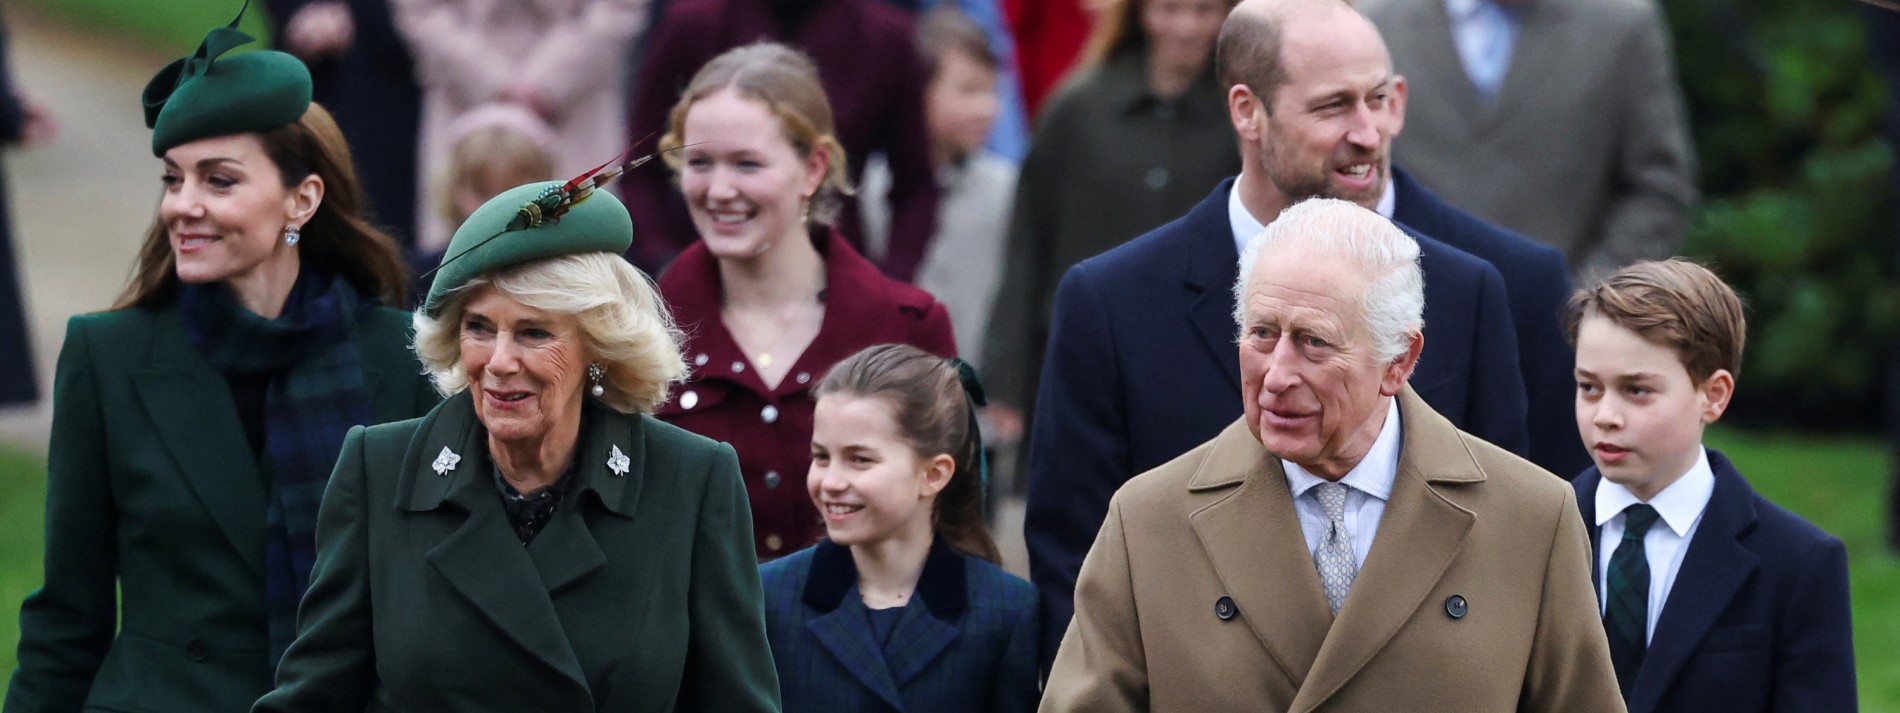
(1798, 185)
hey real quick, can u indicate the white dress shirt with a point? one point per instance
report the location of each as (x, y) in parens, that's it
(1246, 226)
(1485, 34)
(1680, 505)
(1368, 487)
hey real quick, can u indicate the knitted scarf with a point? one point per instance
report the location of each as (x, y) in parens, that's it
(315, 393)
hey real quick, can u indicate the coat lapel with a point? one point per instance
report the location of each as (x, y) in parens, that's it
(924, 632)
(844, 629)
(481, 558)
(1419, 536)
(611, 460)
(189, 407)
(1209, 280)
(1279, 595)
(1713, 571)
(1441, 73)
(1537, 58)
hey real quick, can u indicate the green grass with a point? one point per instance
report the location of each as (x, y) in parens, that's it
(172, 27)
(23, 510)
(1839, 483)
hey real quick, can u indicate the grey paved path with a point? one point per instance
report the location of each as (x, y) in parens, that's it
(81, 202)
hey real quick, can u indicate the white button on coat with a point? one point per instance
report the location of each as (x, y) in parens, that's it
(769, 414)
(689, 400)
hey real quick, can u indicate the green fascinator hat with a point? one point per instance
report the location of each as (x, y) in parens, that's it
(531, 222)
(208, 94)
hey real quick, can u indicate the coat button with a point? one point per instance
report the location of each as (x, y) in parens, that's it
(1456, 606)
(1225, 609)
(700, 360)
(689, 399)
(195, 650)
(1157, 178)
(771, 479)
(774, 542)
(804, 377)
(769, 414)
(738, 366)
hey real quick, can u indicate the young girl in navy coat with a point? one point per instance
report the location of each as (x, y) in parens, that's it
(902, 606)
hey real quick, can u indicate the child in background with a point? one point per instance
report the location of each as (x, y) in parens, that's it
(1714, 598)
(963, 266)
(902, 605)
(492, 148)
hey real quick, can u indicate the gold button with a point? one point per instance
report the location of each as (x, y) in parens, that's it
(774, 542)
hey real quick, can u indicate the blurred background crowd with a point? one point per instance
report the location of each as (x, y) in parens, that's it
(992, 144)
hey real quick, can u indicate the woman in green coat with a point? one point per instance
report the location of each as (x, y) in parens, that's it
(539, 542)
(196, 423)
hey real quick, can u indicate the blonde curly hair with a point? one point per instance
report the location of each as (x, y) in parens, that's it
(624, 325)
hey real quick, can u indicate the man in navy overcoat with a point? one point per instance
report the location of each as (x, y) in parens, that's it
(1142, 364)
(1538, 281)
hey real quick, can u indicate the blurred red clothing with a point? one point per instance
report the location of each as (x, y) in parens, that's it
(1049, 39)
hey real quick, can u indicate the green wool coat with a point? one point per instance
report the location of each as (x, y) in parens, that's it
(153, 491)
(640, 594)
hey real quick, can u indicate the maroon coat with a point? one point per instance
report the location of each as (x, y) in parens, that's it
(873, 79)
(771, 429)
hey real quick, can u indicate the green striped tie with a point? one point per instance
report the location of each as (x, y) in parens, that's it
(1626, 614)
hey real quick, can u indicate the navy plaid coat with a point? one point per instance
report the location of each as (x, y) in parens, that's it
(966, 642)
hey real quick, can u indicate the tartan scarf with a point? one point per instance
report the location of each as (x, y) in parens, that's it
(315, 393)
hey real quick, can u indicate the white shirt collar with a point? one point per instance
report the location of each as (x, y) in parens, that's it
(1460, 9)
(1388, 201)
(1374, 474)
(1679, 504)
(1244, 224)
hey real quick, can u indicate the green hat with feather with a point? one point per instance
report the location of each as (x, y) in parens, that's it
(530, 222)
(209, 94)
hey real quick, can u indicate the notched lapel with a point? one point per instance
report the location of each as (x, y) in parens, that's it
(920, 637)
(846, 634)
(482, 559)
(189, 407)
(484, 562)
(1252, 537)
(1419, 537)
(1713, 571)
(1210, 278)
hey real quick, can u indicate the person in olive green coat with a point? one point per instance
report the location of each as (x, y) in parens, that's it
(195, 424)
(539, 542)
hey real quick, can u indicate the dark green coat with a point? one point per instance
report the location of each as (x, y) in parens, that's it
(640, 594)
(152, 488)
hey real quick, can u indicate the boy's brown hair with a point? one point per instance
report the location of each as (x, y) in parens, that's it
(1675, 303)
(944, 30)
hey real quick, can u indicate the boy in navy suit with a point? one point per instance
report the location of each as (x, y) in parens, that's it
(1714, 598)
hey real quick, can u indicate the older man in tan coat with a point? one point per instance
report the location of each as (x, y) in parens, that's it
(1342, 547)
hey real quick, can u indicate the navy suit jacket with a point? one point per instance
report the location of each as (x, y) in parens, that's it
(966, 641)
(1538, 282)
(1143, 365)
(1758, 617)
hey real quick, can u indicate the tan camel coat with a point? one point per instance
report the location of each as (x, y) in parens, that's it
(1214, 532)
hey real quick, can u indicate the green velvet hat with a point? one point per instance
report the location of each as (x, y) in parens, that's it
(529, 222)
(208, 94)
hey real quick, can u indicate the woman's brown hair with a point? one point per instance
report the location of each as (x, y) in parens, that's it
(1118, 32)
(934, 416)
(785, 80)
(338, 239)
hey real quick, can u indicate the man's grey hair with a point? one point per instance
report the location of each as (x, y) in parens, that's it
(1393, 304)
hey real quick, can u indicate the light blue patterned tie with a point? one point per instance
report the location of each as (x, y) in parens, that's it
(1487, 62)
(1334, 556)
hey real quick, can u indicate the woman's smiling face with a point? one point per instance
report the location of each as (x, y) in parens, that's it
(526, 367)
(225, 208)
(746, 185)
